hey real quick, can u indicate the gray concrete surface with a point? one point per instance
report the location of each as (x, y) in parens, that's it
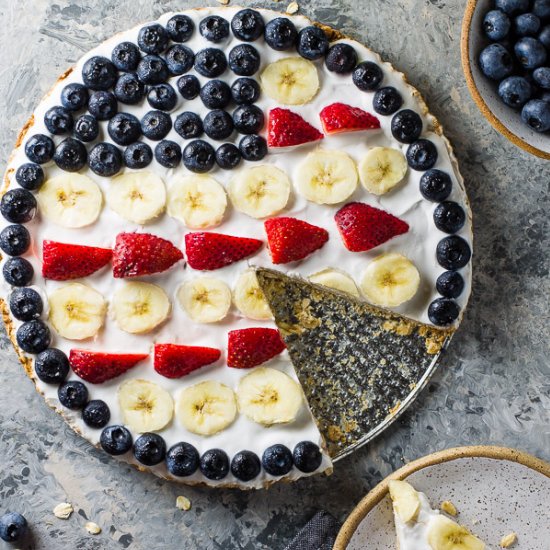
(493, 385)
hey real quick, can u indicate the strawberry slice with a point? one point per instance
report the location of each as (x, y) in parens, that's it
(207, 251)
(290, 239)
(363, 227)
(285, 128)
(97, 367)
(137, 254)
(62, 261)
(249, 347)
(174, 361)
(339, 117)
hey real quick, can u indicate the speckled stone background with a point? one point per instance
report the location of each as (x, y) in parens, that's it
(493, 385)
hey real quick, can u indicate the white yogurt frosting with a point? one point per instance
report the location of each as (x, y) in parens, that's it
(405, 201)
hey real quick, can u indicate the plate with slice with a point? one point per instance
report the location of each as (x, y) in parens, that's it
(465, 498)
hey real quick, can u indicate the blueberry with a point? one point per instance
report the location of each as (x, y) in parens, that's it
(450, 284)
(367, 76)
(526, 24)
(116, 440)
(449, 217)
(39, 148)
(406, 126)
(218, 124)
(18, 271)
(277, 460)
(180, 28)
(496, 62)
(168, 153)
(125, 56)
(312, 43)
(129, 89)
(387, 101)
(245, 91)
(245, 465)
(214, 464)
(421, 155)
(435, 185)
(103, 105)
(214, 28)
(280, 33)
(15, 240)
(26, 304)
(443, 311)
(544, 37)
(124, 128)
(496, 25)
(96, 414)
(13, 526)
(253, 147)
(541, 8)
(152, 69)
(512, 6)
(153, 39)
(228, 156)
(536, 114)
(307, 456)
(210, 62)
(189, 86)
(248, 119)
(70, 155)
(542, 77)
(33, 336)
(52, 366)
(98, 73)
(244, 60)
(74, 96)
(215, 94)
(150, 449)
(86, 128)
(515, 91)
(453, 252)
(30, 176)
(341, 58)
(179, 59)
(182, 459)
(73, 395)
(138, 155)
(188, 125)
(530, 52)
(199, 156)
(155, 125)
(105, 159)
(18, 206)
(247, 25)
(58, 120)
(162, 96)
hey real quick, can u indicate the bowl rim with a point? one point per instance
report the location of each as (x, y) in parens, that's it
(476, 95)
(373, 497)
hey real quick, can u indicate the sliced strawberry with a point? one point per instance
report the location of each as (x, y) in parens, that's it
(207, 251)
(285, 128)
(137, 254)
(363, 227)
(174, 361)
(290, 239)
(339, 117)
(249, 347)
(96, 367)
(62, 261)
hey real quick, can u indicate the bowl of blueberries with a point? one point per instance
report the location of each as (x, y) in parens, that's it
(506, 60)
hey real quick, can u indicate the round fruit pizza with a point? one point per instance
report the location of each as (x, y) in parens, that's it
(161, 175)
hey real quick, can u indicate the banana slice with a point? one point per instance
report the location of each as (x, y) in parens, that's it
(390, 280)
(205, 300)
(381, 169)
(146, 407)
(269, 396)
(70, 200)
(327, 177)
(197, 201)
(140, 307)
(445, 534)
(249, 298)
(290, 81)
(335, 279)
(259, 191)
(206, 408)
(137, 196)
(406, 502)
(77, 311)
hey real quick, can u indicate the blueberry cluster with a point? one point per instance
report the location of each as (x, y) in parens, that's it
(518, 57)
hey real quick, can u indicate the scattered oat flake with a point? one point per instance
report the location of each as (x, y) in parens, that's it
(63, 510)
(507, 540)
(183, 503)
(448, 507)
(223, 2)
(92, 528)
(292, 8)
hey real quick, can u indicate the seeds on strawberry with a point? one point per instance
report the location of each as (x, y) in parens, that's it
(286, 128)
(249, 347)
(97, 367)
(175, 361)
(339, 117)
